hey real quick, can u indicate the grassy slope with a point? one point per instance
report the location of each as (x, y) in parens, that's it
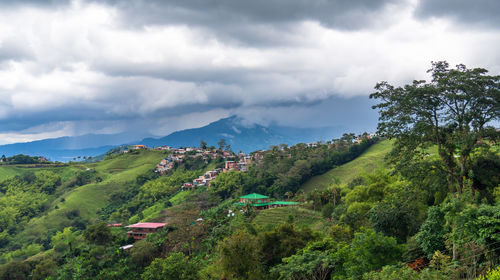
(89, 199)
(267, 219)
(370, 160)
(7, 171)
(66, 172)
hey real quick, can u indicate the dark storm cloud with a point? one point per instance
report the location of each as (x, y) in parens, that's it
(483, 12)
(164, 65)
(258, 23)
(224, 13)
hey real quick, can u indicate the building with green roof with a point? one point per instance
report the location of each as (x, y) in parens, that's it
(260, 201)
(254, 198)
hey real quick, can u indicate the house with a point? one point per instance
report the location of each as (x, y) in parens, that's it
(254, 198)
(242, 166)
(259, 155)
(199, 181)
(230, 165)
(187, 186)
(138, 147)
(43, 159)
(141, 230)
(163, 148)
(258, 201)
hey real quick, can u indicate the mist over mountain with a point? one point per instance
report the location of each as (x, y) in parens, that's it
(244, 137)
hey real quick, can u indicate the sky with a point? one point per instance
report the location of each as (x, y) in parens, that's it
(152, 67)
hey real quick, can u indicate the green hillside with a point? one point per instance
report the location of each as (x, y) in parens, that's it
(267, 219)
(370, 160)
(66, 172)
(85, 201)
(7, 171)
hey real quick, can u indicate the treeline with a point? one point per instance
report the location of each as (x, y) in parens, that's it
(23, 159)
(283, 169)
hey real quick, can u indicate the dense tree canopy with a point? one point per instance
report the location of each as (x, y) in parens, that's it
(452, 112)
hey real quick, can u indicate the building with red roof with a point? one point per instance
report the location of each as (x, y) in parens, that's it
(141, 230)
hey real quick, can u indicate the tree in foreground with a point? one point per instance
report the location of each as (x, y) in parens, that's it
(452, 112)
(240, 257)
(175, 266)
(370, 251)
(98, 233)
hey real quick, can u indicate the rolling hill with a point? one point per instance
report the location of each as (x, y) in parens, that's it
(85, 201)
(369, 161)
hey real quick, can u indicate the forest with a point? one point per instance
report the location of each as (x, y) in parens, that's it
(431, 211)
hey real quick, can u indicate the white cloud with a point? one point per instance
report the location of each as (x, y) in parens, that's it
(81, 63)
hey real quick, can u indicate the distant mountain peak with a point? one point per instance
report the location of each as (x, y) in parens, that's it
(242, 135)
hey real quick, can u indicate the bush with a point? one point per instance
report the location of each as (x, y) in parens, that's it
(175, 266)
(98, 233)
(492, 274)
(370, 251)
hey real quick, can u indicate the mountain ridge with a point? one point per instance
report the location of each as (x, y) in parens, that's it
(236, 132)
(242, 136)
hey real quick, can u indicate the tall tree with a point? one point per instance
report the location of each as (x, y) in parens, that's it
(222, 144)
(240, 257)
(451, 112)
(203, 144)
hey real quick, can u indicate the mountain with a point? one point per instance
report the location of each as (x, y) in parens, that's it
(236, 133)
(68, 147)
(244, 137)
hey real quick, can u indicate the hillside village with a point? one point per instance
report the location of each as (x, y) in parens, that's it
(233, 162)
(155, 203)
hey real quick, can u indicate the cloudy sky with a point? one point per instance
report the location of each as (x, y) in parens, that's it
(153, 67)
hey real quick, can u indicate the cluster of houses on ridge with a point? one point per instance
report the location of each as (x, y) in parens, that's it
(179, 155)
(365, 136)
(209, 176)
(233, 162)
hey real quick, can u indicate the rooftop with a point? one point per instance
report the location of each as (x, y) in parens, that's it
(147, 225)
(286, 202)
(254, 196)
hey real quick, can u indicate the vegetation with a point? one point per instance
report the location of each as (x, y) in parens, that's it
(22, 159)
(378, 209)
(369, 161)
(452, 112)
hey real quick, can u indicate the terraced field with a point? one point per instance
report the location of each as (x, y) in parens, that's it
(267, 219)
